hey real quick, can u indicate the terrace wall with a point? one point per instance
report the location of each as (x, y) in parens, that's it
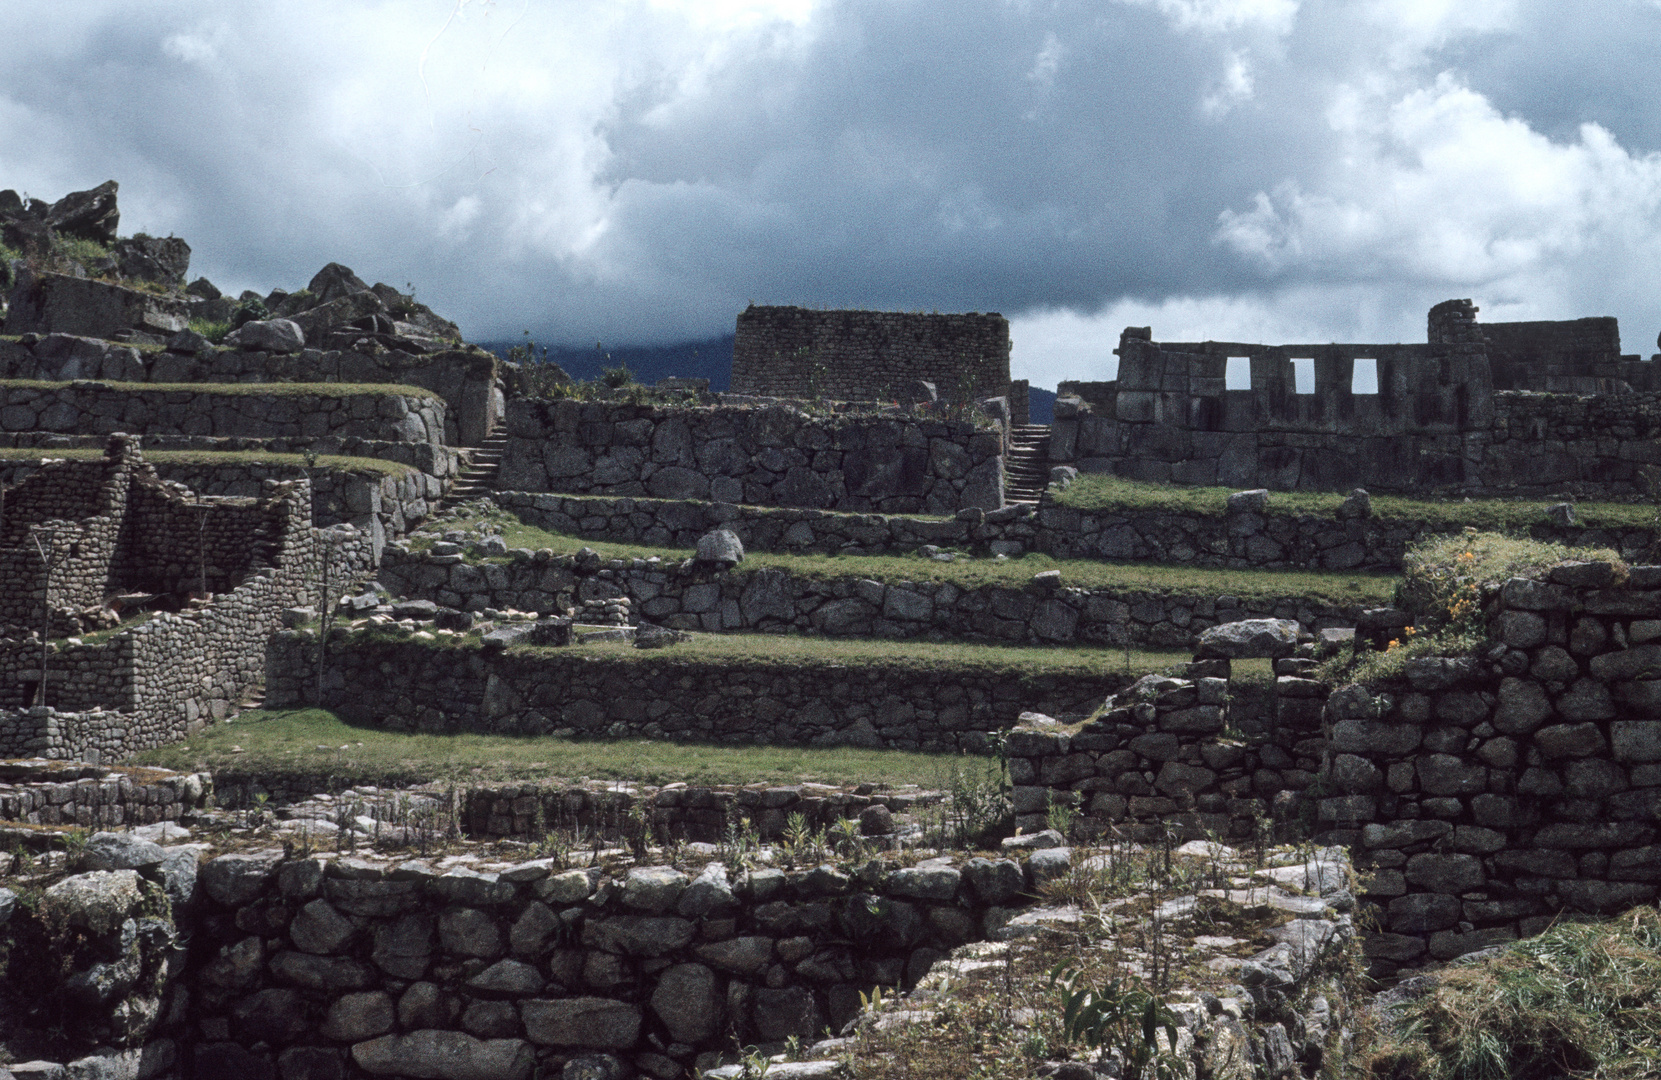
(868, 355)
(688, 597)
(1488, 794)
(104, 408)
(768, 456)
(465, 378)
(1269, 540)
(411, 686)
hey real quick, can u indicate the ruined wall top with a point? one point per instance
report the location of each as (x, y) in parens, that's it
(868, 355)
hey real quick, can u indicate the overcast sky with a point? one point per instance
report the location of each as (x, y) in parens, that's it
(638, 170)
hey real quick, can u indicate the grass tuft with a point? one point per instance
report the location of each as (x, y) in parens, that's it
(1446, 582)
(1581, 999)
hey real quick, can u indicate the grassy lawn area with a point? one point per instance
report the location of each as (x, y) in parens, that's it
(753, 650)
(314, 741)
(1099, 492)
(1336, 587)
(210, 458)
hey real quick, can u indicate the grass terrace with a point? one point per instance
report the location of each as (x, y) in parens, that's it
(315, 741)
(1097, 492)
(1336, 587)
(211, 458)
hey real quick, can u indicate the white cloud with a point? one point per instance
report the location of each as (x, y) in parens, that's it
(1222, 16)
(1233, 88)
(637, 170)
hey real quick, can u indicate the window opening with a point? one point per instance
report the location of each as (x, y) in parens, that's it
(1364, 378)
(1237, 374)
(1303, 372)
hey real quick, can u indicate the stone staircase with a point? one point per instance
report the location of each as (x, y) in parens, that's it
(479, 476)
(1027, 465)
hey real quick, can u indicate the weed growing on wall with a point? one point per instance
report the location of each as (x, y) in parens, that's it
(1446, 582)
(213, 330)
(1581, 999)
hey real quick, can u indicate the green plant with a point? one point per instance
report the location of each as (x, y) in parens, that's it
(1581, 999)
(1121, 1018)
(979, 805)
(617, 377)
(74, 845)
(1060, 813)
(8, 256)
(213, 330)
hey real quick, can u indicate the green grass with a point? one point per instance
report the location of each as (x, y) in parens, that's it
(276, 389)
(212, 329)
(1444, 584)
(286, 743)
(794, 650)
(1581, 999)
(1323, 586)
(1096, 492)
(210, 458)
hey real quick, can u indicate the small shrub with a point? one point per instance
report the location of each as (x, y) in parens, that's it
(1446, 582)
(1122, 1018)
(617, 377)
(213, 330)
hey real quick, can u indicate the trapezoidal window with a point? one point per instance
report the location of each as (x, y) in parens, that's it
(1303, 374)
(1237, 373)
(1364, 377)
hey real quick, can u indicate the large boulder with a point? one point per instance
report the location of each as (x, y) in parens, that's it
(333, 282)
(120, 851)
(90, 215)
(720, 547)
(268, 335)
(445, 1055)
(162, 259)
(98, 901)
(1247, 639)
(688, 1001)
(234, 880)
(593, 1023)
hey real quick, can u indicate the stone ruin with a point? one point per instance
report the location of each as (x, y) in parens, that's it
(181, 591)
(1479, 409)
(1482, 797)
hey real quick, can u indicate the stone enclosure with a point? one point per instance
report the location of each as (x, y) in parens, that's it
(87, 544)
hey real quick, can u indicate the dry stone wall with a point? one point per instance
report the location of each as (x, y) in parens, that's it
(464, 379)
(868, 355)
(412, 686)
(1267, 539)
(382, 506)
(400, 415)
(165, 677)
(774, 455)
(1486, 795)
(1196, 754)
(50, 793)
(346, 966)
(1434, 422)
(687, 596)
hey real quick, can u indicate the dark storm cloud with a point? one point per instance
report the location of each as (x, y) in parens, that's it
(640, 171)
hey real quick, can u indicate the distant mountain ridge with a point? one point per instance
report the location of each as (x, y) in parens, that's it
(708, 359)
